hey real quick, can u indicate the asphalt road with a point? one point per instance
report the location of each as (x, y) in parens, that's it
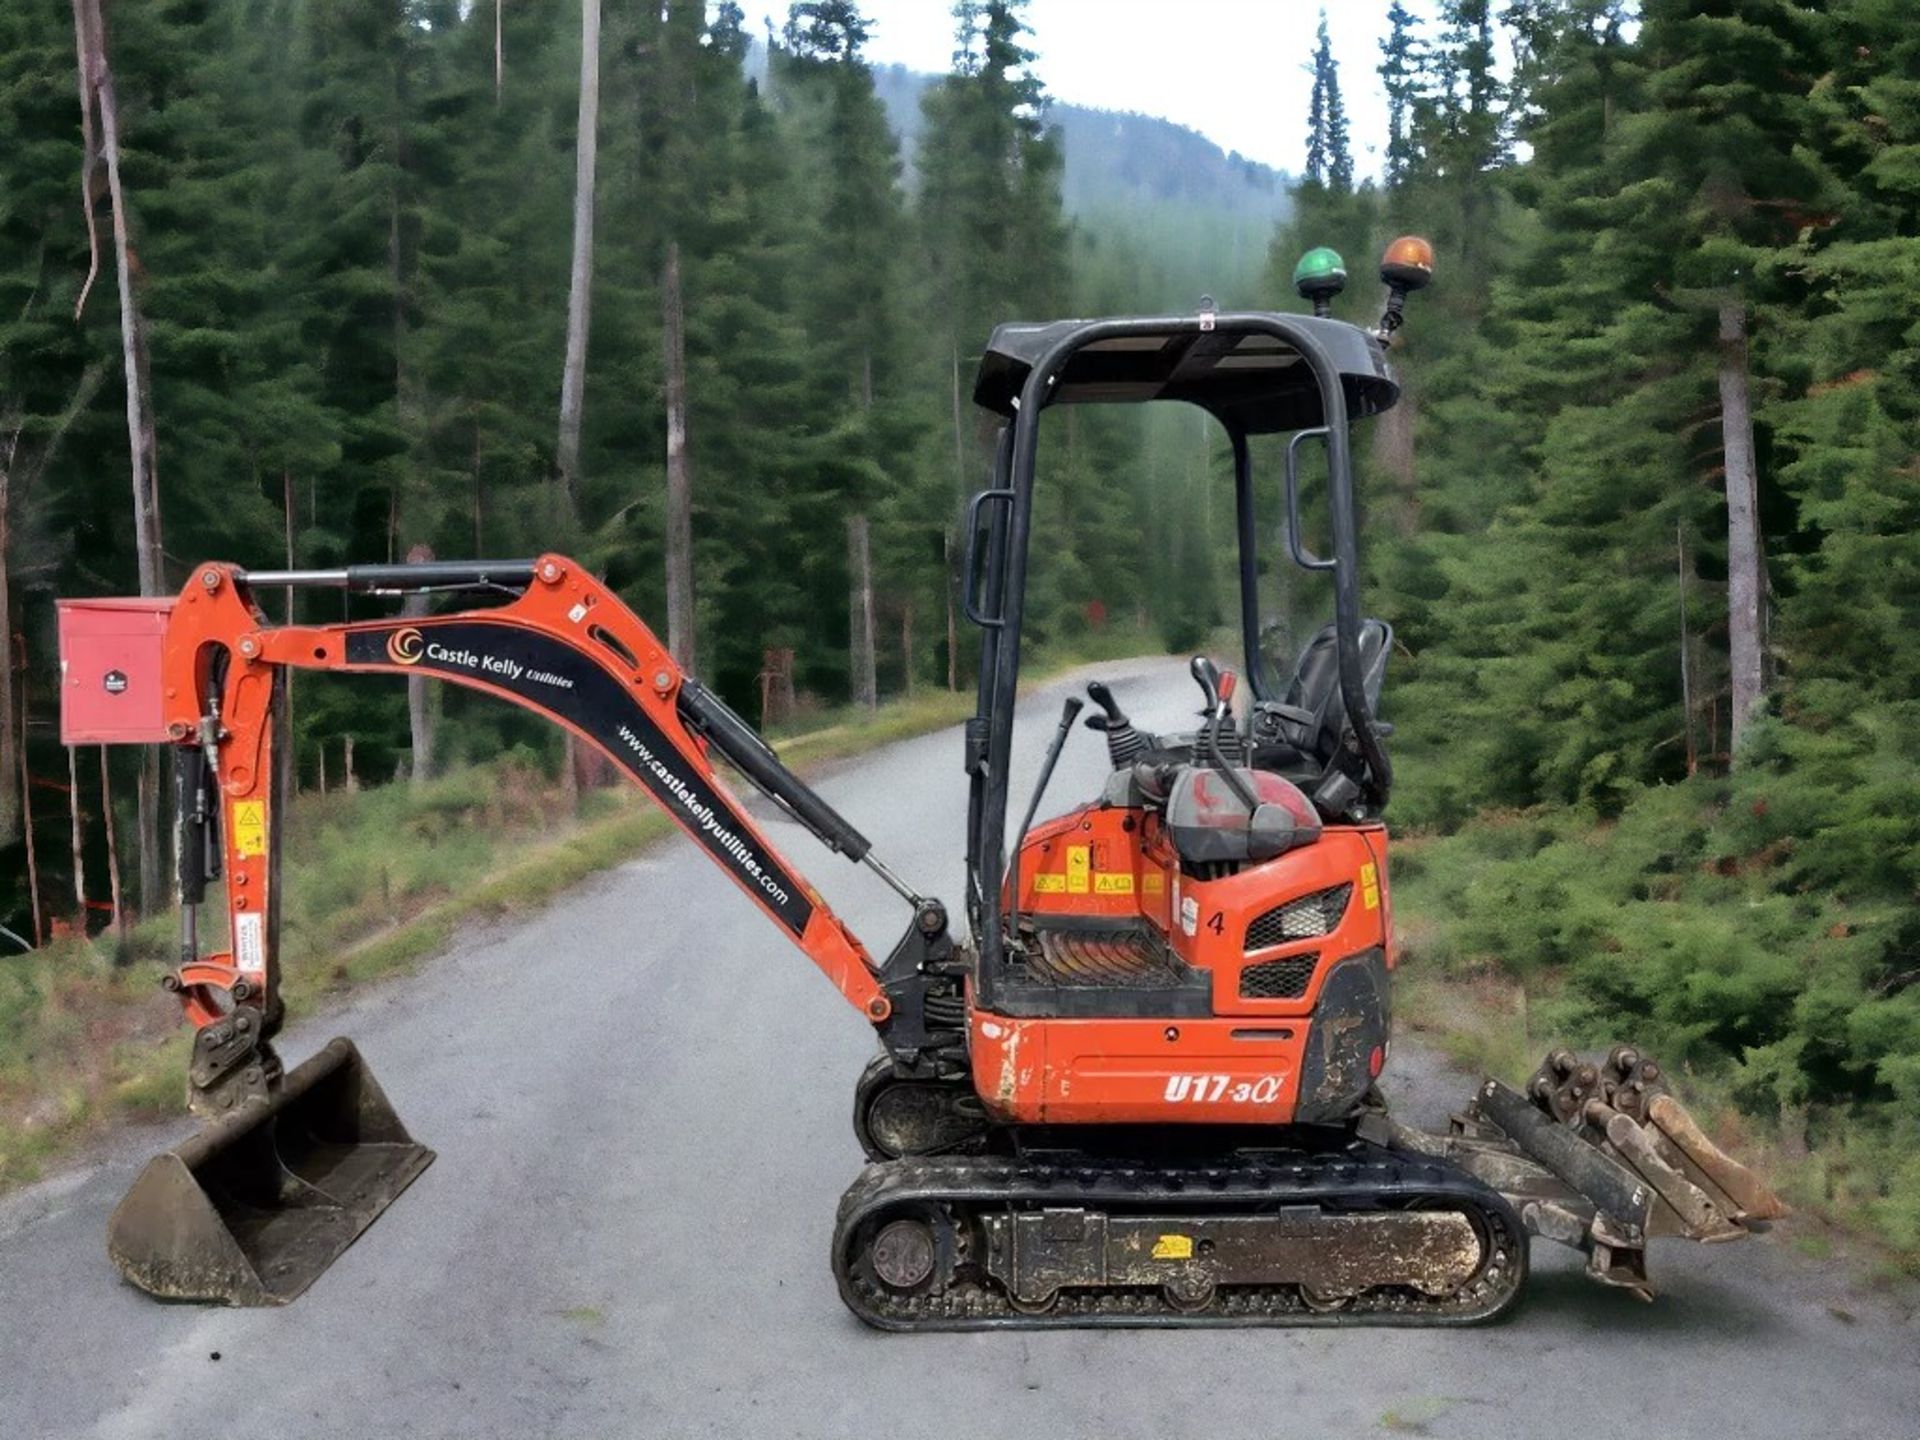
(640, 1099)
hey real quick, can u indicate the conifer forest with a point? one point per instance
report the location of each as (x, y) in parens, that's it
(319, 282)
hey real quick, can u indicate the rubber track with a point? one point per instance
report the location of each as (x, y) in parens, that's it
(1364, 1178)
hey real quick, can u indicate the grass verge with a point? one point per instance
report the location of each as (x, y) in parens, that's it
(376, 882)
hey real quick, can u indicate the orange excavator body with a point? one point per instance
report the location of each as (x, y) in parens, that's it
(1241, 1064)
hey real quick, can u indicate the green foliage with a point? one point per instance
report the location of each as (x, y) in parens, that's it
(1759, 930)
(1558, 570)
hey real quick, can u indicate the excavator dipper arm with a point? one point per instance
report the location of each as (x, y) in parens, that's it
(566, 648)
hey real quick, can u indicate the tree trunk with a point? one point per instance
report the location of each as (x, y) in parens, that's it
(953, 623)
(570, 772)
(98, 97)
(9, 796)
(959, 434)
(113, 850)
(149, 820)
(866, 682)
(1746, 564)
(397, 268)
(26, 821)
(906, 647)
(499, 54)
(680, 615)
(776, 686)
(1686, 643)
(960, 491)
(421, 719)
(79, 841)
(573, 377)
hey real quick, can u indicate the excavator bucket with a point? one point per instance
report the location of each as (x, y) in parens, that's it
(252, 1208)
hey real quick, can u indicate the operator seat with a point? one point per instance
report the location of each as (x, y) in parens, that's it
(1310, 718)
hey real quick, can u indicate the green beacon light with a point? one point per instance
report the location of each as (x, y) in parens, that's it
(1320, 275)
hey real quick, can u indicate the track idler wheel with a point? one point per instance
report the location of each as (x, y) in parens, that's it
(895, 1117)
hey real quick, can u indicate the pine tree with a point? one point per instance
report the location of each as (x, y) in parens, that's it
(991, 227)
(1400, 71)
(1834, 334)
(1329, 158)
(1339, 155)
(1732, 147)
(1319, 150)
(854, 277)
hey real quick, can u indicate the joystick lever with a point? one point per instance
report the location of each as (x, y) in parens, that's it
(1208, 675)
(1124, 743)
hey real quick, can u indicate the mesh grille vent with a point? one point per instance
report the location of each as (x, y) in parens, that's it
(1307, 918)
(1285, 979)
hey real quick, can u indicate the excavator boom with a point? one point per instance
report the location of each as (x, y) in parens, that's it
(294, 1166)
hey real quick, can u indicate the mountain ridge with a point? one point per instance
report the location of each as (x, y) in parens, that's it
(1114, 158)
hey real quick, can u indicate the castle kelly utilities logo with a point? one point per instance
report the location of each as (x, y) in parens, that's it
(405, 647)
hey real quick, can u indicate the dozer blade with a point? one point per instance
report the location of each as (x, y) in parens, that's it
(251, 1209)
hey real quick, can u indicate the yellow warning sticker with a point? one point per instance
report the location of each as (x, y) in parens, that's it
(1153, 883)
(1173, 1247)
(1054, 884)
(1079, 867)
(1370, 886)
(1107, 882)
(249, 828)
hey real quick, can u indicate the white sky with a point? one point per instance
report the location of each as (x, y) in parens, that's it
(1235, 70)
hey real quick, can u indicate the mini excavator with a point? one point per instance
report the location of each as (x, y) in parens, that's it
(1140, 1091)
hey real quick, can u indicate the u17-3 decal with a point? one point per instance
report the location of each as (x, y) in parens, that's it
(1209, 1089)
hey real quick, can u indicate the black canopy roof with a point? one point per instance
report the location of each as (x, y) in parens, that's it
(1246, 376)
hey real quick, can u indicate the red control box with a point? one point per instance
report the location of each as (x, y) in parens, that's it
(110, 653)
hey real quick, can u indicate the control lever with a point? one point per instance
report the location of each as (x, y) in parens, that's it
(1098, 692)
(1211, 719)
(1208, 675)
(1069, 712)
(1124, 743)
